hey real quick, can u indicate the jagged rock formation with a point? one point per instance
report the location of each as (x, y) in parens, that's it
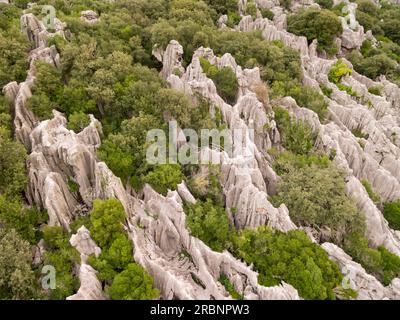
(247, 177)
(90, 288)
(90, 16)
(24, 119)
(183, 267)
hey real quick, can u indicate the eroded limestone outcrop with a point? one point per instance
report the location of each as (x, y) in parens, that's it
(90, 288)
(247, 176)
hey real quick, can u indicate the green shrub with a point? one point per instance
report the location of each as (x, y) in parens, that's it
(205, 185)
(63, 258)
(316, 196)
(296, 136)
(26, 221)
(17, 280)
(286, 4)
(382, 264)
(107, 218)
(322, 25)
(225, 80)
(373, 196)
(230, 288)
(290, 257)
(134, 283)
(123, 278)
(267, 13)
(357, 132)
(78, 121)
(251, 9)
(326, 91)
(391, 212)
(12, 165)
(338, 71)
(376, 90)
(287, 161)
(164, 177)
(275, 62)
(348, 89)
(209, 223)
(326, 4)
(305, 96)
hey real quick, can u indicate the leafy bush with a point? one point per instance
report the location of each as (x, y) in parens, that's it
(78, 121)
(385, 266)
(17, 280)
(290, 257)
(26, 221)
(230, 288)
(373, 196)
(123, 278)
(376, 90)
(63, 258)
(305, 96)
(46, 91)
(224, 79)
(374, 63)
(322, 25)
(12, 165)
(326, 91)
(164, 177)
(316, 196)
(267, 13)
(326, 4)
(357, 132)
(296, 136)
(209, 223)
(14, 47)
(205, 184)
(275, 62)
(338, 71)
(134, 283)
(391, 211)
(107, 218)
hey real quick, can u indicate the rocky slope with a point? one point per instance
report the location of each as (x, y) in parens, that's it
(182, 266)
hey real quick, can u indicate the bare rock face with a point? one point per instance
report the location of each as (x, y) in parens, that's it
(90, 288)
(183, 267)
(89, 16)
(82, 242)
(353, 33)
(59, 155)
(171, 58)
(367, 286)
(24, 120)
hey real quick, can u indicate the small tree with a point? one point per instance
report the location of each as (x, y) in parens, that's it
(17, 280)
(134, 283)
(107, 218)
(322, 25)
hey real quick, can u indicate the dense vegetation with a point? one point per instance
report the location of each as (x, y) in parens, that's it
(290, 257)
(384, 57)
(314, 191)
(391, 212)
(322, 25)
(122, 277)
